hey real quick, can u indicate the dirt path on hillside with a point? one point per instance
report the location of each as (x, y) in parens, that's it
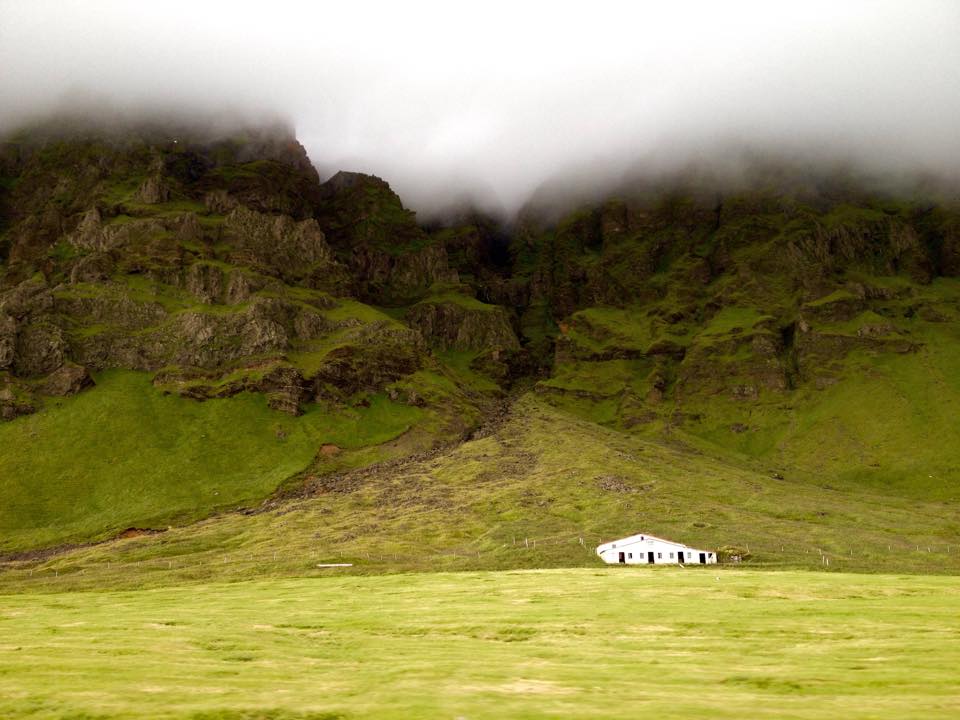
(353, 479)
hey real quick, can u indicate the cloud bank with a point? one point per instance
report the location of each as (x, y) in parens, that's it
(489, 101)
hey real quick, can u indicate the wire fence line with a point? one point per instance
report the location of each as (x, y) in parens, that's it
(582, 543)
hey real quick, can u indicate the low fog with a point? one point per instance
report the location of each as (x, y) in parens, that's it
(496, 102)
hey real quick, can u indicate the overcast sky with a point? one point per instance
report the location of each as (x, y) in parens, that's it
(493, 98)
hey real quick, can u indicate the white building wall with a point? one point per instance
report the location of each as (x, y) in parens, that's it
(647, 550)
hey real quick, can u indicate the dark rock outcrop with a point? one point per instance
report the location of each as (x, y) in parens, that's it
(277, 243)
(15, 400)
(68, 379)
(463, 325)
(8, 341)
(40, 349)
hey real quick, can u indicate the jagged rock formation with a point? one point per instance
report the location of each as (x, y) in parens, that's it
(455, 323)
(670, 303)
(224, 265)
(389, 257)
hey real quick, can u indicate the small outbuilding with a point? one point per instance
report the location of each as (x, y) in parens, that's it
(649, 550)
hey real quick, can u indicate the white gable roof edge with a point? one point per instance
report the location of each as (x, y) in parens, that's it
(642, 537)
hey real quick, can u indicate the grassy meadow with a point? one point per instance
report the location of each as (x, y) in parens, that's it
(598, 643)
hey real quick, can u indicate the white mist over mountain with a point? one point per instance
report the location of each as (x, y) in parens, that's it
(487, 101)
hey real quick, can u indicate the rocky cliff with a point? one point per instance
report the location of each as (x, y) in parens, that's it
(223, 265)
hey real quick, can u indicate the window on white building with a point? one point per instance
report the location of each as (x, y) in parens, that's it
(660, 555)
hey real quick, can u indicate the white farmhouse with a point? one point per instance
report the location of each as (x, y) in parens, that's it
(650, 550)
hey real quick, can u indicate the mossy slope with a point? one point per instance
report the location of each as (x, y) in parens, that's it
(126, 455)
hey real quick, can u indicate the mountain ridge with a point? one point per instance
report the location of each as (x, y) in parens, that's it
(810, 331)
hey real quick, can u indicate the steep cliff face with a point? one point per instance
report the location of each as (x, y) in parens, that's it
(456, 322)
(390, 258)
(814, 333)
(209, 260)
(159, 251)
(739, 298)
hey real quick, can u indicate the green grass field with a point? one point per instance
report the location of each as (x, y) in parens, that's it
(598, 643)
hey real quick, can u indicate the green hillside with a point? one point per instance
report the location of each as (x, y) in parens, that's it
(125, 455)
(524, 495)
(880, 421)
(889, 426)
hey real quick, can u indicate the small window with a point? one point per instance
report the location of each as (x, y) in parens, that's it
(660, 555)
(630, 555)
(711, 554)
(614, 545)
(671, 556)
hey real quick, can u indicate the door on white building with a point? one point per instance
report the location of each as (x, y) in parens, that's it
(703, 558)
(650, 558)
(622, 558)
